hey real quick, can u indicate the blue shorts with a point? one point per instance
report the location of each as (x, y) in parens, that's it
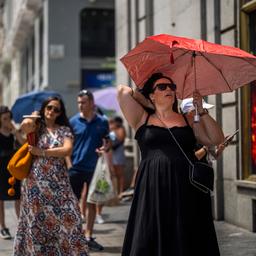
(77, 180)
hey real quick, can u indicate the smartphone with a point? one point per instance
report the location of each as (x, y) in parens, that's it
(230, 138)
(31, 116)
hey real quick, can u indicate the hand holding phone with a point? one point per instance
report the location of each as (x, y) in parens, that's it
(31, 116)
(229, 138)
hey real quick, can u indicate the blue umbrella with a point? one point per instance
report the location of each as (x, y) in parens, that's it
(29, 102)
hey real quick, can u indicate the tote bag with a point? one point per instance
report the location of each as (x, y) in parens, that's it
(101, 188)
(19, 165)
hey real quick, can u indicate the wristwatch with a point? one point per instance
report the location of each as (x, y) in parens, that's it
(204, 112)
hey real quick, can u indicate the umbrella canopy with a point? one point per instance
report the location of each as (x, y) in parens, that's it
(29, 102)
(107, 99)
(192, 64)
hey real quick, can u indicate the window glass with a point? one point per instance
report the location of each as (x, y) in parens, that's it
(97, 79)
(97, 33)
(252, 44)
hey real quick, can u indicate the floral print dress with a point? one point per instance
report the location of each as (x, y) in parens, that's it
(50, 221)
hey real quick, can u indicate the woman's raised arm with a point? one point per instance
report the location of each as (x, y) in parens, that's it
(207, 131)
(132, 104)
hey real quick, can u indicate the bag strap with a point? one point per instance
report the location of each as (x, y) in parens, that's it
(146, 121)
(195, 184)
(189, 161)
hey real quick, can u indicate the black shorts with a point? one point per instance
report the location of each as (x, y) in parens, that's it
(77, 180)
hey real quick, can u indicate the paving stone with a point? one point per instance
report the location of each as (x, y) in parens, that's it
(233, 241)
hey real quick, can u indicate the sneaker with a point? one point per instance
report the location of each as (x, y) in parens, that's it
(126, 199)
(99, 219)
(93, 245)
(5, 234)
(128, 192)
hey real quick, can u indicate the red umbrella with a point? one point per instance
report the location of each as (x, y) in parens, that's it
(192, 64)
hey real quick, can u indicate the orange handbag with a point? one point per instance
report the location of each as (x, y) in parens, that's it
(20, 163)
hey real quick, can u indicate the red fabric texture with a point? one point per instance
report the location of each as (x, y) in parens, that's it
(215, 69)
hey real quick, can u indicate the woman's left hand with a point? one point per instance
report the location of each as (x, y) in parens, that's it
(198, 101)
(35, 150)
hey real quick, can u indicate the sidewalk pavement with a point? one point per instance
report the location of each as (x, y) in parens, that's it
(233, 241)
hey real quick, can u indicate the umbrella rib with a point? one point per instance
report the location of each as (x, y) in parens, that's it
(184, 82)
(160, 53)
(248, 62)
(184, 53)
(217, 70)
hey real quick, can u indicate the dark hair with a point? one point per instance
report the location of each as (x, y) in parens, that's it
(86, 93)
(4, 110)
(118, 120)
(62, 119)
(148, 88)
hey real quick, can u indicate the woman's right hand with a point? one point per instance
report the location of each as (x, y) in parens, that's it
(35, 150)
(28, 125)
(197, 101)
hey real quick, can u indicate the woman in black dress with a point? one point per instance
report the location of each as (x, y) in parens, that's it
(8, 135)
(169, 216)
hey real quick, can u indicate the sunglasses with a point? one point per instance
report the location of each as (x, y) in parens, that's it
(163, 87)
(53, 108)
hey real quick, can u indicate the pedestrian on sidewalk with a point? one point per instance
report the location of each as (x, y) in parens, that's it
(9, 138)
(107, 154)
(50, 221)
(89, 128)
(118, 157)
(128, 193)
(168, 216)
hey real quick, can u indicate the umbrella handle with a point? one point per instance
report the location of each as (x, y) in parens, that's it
(196, 116)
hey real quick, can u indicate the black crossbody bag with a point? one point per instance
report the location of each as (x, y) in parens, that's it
(201, 175)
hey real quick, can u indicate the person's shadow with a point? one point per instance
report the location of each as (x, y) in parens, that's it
(112, 250)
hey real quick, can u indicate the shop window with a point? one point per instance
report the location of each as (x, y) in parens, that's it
(252, 29)
(97, 33)
(253, 128)
(252, 45)
(248, 94)
(97, 79)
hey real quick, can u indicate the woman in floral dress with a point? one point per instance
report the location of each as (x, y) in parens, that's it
(50, 221)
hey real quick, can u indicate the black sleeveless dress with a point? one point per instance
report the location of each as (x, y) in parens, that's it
(168, 216)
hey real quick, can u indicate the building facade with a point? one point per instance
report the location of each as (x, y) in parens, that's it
(228, 22)
(58, 45)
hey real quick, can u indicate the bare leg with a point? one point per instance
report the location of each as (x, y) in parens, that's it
(83, 200)
(119, 171)
(99, 209)
(2, 217)
(90, 218)
(134, 178)
(17, 208)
